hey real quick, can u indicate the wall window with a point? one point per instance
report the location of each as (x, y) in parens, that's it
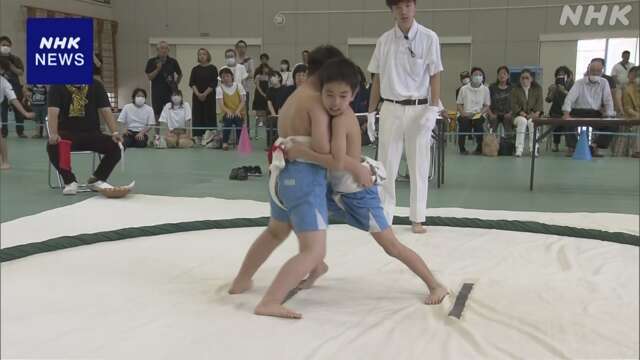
(609, 49)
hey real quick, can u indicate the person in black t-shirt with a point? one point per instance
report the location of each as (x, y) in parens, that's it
(11, 68)
(277, 94)
(74, 115)
(165, 75)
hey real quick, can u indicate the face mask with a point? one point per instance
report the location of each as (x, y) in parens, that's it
(477, 79)
(176, 99)
(275, 81)
(465, 81)
(139, 101)
(284, 67)
(5, 50)
(231, 61)
(594, 78)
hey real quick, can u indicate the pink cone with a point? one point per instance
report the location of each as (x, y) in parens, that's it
(244, 146)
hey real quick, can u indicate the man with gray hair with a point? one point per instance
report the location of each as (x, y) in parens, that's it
(165, 74)
(590, 97)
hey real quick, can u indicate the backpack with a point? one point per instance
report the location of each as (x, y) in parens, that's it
(507, 147)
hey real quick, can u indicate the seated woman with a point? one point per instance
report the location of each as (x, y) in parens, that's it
(137, 119)
(177, 116)
(473, 102)
(231, 99)
(500, 110)
(556, 95)
(526, 104)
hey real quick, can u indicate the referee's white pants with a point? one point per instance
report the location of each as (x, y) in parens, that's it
(411, 126)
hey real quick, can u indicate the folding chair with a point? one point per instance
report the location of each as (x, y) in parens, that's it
(60, 183)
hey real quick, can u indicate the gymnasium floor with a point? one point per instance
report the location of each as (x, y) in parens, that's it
(472, 182)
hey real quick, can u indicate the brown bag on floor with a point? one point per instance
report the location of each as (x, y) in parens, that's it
(490, 145)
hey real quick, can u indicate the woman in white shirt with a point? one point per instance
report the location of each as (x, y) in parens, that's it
(473, 101)
(137, 119)
(177, 116)
(285, 71)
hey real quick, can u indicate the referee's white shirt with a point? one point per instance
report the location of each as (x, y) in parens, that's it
(403, 76)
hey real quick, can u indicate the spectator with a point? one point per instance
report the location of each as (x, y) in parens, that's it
(473, 102)
(74, 115)
(241, 76)
(586, 99)
(526, 104)
(465, 78)
(360, 103)
(250, 67)
(299, 78)
(616, 92)
(165, 75)
(38, 95)
(277, 93)
(276, 96)
(231, 98)
(177, 115)
(556, 95)
(136, 118)
(261, 79)
(285, 71)
(631, 106)
(264, 59)
(97, 67)
(11, 68)
(500, 110)
(6, 92)
(620, 71)
(203, 81)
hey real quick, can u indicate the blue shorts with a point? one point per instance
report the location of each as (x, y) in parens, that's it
(362, 209)
(302, 189)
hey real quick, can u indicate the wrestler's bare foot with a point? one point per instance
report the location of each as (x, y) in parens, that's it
(436, 295)
(417, 228)
(239, 286)
(277, 310)
(313, 276)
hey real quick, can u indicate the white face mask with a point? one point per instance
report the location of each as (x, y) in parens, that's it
(284, 67)
(231, 62)
(477, 79)
(176, 99)
(5, 50)
(465, 81)
(139, 100)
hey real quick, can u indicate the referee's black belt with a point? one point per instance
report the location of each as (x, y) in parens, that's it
(409, 102)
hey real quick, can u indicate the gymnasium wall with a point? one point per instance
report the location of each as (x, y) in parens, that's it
(498, 36)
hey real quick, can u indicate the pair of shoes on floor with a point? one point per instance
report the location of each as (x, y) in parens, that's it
(253, 170)
(93, 184)
(238, 173)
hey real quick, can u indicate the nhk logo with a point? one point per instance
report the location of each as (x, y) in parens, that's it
(59, 51)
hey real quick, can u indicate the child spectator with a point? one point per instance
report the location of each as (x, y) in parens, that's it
(137, 119)
(177, 116)
(39, 107)
(231, 100)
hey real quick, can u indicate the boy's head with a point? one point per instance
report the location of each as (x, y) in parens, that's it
(230, 57)
(404, 11)
(339, 81)
(321, 55)
(226, 75)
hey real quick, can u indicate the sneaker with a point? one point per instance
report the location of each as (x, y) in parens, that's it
(242, 174)
(70, 189)
(37, 136)
(98, 185)
(556, 148)
(518, 154)
(22, 136)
